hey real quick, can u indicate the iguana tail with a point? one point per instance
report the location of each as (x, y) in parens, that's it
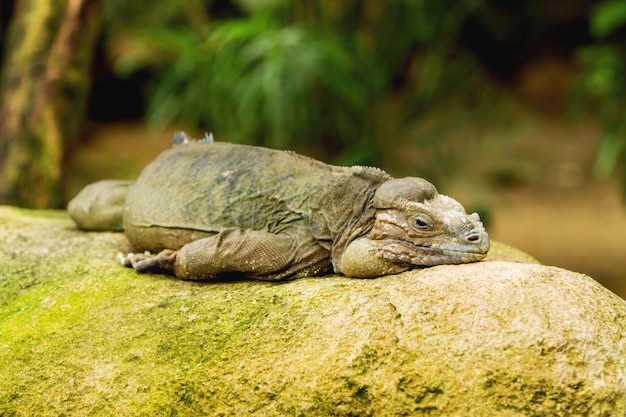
(100, 206)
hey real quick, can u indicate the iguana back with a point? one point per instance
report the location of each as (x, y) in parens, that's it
(195, 190)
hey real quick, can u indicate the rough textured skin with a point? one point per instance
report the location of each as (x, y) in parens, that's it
(214, 208)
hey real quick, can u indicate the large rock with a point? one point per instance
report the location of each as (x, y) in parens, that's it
(80, 335)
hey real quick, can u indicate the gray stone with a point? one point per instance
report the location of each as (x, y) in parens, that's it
(81, 335)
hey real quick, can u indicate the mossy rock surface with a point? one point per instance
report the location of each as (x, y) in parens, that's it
(81, 335)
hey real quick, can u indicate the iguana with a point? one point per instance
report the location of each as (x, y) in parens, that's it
(205, 209)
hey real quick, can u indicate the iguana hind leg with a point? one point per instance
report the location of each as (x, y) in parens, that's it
(254, 253)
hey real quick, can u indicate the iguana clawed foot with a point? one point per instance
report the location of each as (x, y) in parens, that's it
(148, 262)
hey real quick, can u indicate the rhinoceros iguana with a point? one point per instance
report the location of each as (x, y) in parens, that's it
(205, 209)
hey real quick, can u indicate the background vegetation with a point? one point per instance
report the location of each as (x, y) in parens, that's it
(604, 80)
(348, 81)
(286, 74)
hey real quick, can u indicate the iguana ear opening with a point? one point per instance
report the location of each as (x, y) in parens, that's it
(397, 192)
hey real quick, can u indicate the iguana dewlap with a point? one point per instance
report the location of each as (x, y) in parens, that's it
(207, 209)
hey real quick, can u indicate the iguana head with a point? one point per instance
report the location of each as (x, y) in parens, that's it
(419, 226)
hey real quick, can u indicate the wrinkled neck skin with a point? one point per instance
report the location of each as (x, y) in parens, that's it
(432, 232)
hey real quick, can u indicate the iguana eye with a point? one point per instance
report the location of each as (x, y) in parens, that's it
(421, 223)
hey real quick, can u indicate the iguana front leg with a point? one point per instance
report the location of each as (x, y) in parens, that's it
(363, 258)
(254, 253)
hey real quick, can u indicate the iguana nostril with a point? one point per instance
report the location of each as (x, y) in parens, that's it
(473, 238)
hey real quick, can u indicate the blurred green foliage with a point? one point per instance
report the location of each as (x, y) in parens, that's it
(347, 80)
(604, 81)
(345, 76)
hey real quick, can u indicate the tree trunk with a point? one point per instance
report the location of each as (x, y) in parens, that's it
(43, 91)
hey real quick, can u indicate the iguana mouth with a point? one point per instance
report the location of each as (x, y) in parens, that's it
(425, 248)
(408, 252)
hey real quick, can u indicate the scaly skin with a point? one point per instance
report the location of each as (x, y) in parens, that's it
(208, 209)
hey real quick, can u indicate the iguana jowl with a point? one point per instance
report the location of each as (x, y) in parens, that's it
(205, 209)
